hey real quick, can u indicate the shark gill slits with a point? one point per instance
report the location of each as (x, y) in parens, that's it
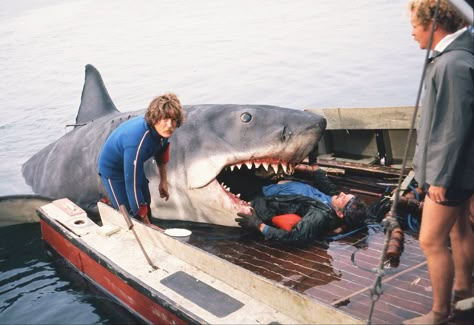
(285, 134)
(246, 117)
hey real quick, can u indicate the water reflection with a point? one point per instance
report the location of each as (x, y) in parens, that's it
(37, 287)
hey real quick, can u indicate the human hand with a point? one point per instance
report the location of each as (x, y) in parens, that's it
(337, 231)
(163, 188)
(437, 194)
(142, 214)
(248, 221)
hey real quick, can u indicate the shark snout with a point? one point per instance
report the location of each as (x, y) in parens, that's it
(309, 125)
(322, 124)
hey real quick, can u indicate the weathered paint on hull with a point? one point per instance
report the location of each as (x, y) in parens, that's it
(125, 290)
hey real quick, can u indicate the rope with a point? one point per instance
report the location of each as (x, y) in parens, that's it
(376, 291)
(412, 222)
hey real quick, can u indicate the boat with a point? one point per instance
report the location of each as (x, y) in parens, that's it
(186, 284)
(225, 275)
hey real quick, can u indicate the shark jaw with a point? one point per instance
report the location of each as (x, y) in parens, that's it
(239, 183)
(224, 181)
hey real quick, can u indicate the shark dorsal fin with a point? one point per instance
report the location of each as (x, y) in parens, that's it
(95, 99)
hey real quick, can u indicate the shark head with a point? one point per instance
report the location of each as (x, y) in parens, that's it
(215, 158)
(225, 145)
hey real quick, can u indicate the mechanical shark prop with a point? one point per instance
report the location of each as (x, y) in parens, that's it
(214, 155)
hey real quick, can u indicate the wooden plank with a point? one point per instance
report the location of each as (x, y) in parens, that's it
(335, 303)
(376, 169)
(71, 216)
(367, 118)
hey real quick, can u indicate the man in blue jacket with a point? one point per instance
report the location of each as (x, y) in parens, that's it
(123, 156)
(295, 211)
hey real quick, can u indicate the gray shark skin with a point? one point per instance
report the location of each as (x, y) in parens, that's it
(214, 155)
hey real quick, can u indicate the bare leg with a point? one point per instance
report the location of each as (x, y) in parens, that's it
(436, 223)
(462, 243)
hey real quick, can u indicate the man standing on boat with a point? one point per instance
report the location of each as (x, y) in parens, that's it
(444, 155)
(123, 156)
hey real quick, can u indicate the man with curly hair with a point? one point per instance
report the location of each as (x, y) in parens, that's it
(130, 145)
(444, 154)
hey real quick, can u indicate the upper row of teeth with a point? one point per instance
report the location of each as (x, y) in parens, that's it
(287, 168)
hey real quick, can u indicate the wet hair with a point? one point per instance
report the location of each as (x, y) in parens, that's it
(164, 107)
(355, 213)
(448, 18)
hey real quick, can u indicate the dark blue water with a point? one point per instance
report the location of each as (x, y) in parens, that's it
(38, 287)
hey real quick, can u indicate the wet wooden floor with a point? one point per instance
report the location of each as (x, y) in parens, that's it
(338, 273)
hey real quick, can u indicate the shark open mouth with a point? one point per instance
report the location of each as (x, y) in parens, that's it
(243, 181)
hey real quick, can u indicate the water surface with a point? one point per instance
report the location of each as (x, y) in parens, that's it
(297, 54)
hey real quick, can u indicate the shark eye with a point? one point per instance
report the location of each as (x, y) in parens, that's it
(246, 117)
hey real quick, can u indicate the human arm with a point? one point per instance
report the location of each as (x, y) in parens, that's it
(317, 217)
(253, 222)
(163, 186)
(311, 226)
(448, 119)
(322, 182)
(162, 161)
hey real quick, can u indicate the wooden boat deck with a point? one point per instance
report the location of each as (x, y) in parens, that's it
(339, 273)
(326, 272)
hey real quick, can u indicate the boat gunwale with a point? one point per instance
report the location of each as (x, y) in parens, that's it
(161, 300)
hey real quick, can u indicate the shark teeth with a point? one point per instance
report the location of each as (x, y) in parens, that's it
(278, 167)
(235, 196)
